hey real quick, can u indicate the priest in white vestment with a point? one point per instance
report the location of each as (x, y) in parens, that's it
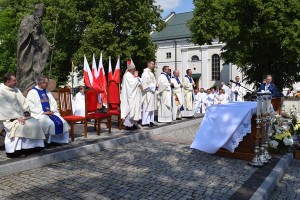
(23, 133)
(164, 96)
(131, 96)
(238, 91)
(188, 95)
(177, 95)
(148, 100)
(79, 102)
(43, 107)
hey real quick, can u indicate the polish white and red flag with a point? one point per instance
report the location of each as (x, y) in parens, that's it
(110, 74)
(102, 80)
(96, 84)
(87, 74)
(117, 72)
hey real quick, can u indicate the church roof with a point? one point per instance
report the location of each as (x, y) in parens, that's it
(176, 28)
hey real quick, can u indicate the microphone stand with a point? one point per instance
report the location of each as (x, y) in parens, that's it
(242, 86)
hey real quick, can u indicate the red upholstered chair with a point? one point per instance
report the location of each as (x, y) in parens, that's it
(91, 100)
(113, 100)
(65, 110)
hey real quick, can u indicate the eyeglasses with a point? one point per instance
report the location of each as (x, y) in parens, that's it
(45, 82)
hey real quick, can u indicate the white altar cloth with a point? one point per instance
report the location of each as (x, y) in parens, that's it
(224, 125)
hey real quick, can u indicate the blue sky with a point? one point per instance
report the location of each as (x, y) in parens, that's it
(177, 6)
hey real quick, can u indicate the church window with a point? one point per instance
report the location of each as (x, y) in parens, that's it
(168, 55)
(215, 67)
(195, 58)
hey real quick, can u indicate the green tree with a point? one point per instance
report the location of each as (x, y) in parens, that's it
(261, 37)
(114, 27)
(120, 28)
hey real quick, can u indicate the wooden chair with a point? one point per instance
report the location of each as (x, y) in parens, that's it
(113, 100)
(91, 99)
(65, 110)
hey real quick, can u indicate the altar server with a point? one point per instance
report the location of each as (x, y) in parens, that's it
(79, 102)
(131, 96)
(202, 96)
(164, 96)
(188, 94)
(22, 131)
(177, 95)
(43, 107)
(148, 99)
(238, 90)
(210, 100)
(222, 97)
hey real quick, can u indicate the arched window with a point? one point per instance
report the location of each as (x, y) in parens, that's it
(195, 58)
(215, 67)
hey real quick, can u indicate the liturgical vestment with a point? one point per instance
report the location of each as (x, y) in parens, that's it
(164, 98)
(131, 99)
(177, 98)
(188, 99)
(18, 136)
(148, 98)
(48, 125)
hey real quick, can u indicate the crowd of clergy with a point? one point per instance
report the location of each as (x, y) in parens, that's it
(172, 97)
(33, 122)
(30, 123)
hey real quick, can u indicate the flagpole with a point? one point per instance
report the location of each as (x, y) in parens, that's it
(72, 76)
(51, 59)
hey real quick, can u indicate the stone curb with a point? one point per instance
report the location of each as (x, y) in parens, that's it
(266, 189)
(63, 155)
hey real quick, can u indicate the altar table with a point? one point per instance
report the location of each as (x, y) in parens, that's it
(224, 126)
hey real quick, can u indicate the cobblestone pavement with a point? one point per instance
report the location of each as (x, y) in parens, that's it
(289, 186)
(139, 170)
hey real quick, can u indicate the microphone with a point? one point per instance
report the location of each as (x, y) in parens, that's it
(234, 82)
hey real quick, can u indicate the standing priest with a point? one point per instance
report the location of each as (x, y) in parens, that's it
(188, 92)
(148, 99)
(43, 107)
(22, 131)
(177, 95)
(131, 96)
(238, 91)
(164, 96)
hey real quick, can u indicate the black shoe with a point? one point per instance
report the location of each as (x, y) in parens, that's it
(178, 118)
(151, 123)
(143, 125)
(128, 128)
(135, 127)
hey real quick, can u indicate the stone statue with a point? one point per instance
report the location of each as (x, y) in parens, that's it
(33, 49)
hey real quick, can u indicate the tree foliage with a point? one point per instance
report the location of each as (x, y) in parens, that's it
(114, 27)
(262, 37)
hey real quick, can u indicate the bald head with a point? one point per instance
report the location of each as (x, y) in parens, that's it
(176, 73)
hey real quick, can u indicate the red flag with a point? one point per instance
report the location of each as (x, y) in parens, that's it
(117, 73)
(110, 75)
(102, 80)
(87, 74)
(95, 84)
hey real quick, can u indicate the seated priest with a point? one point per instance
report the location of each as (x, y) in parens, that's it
(269, 86)
(23, 133)
(43, 107)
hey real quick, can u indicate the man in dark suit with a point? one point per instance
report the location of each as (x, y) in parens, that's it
(269, 86)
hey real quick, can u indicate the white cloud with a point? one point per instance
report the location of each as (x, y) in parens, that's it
(168, 5)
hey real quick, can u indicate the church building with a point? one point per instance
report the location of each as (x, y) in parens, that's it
(176, 50)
